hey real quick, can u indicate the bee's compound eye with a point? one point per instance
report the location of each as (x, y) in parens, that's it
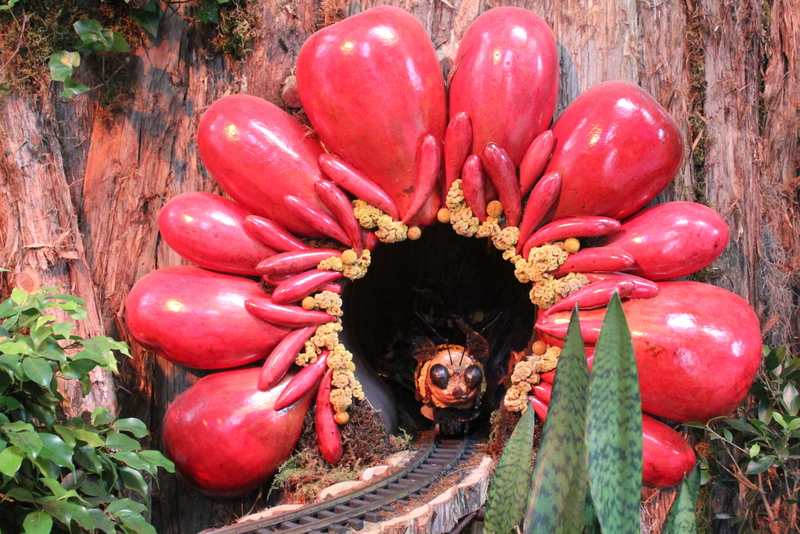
(439, 376)
(473, 376)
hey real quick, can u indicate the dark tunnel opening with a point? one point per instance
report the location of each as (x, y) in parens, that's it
(418, 289)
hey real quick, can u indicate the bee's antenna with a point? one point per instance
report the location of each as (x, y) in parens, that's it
(429, 325)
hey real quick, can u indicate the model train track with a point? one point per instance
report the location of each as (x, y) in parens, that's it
(367, 504)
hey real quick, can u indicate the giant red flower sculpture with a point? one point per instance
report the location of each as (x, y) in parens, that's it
(385, 162)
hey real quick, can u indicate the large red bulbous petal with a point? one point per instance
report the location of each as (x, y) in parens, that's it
(373, 89)
(666, 456)
(616, 148)
(671, 240)
(208, 230)
(197, 318)
(697, 346)
(258, 154)
(224, 435)
(506, 79)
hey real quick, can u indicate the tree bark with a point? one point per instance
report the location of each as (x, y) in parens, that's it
(81, 189)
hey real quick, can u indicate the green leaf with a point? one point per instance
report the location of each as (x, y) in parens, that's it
(133, 480)
(102, 521)
(759, 465)
(20, 494)
(55, 450)
(681, 518)
(132, 425)
(754, 450)
(63, 329)
(37, 522)
(11, 460)
(148, 16)
(38, 371)
(742, 426)
(125, 505)
(18, 296)
(508, 493)
(157, 459)
(615, 427)
(136, 523)
(102, 417)
(559, 483)
(87, 458)
(122, 442)
(29, 441)
(15, 347)
(791, 399)
(95, 38)
(61, 67)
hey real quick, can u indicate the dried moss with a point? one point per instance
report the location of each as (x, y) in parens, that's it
(366, 443)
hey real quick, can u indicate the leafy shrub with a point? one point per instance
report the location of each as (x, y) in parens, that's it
(62, 474)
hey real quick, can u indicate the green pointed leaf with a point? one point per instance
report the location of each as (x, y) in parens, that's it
(136, 523)
(157, 460)
(508, 494)
(38, 370)
(55, 450)
(101, 417)
(18, 296)
(615, 427)
(29, 441)
(681, 518)
(759, 465)
(134, 480)
(102, 521)
(125, 505)
(148, 16)
(122, 442)
(63, 329)
(37, 522)
(559, 480)
(132, 425)
(11, 460)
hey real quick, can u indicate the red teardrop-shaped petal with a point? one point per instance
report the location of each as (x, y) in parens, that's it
(258, 154)
(506, 79)
(697, 346)
(208, 230)
(197, 318)
(373, 89)
(671, 240)
(224, 435)
(616, 148)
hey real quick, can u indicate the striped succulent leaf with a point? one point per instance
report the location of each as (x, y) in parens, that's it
(681, 518)
(614, 435)
(508, 494)
(560, 482)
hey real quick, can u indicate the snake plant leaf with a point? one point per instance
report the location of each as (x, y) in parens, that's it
(681, 518)
(559, 483)
(614, 435)
(508, 494)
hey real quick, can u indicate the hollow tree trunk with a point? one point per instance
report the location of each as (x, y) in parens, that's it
(80, 190)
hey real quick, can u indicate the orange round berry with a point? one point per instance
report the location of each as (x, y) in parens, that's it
(443, 215)
(414, 232)
(572, 245)
(494, 209)
(341, 418)
(349, 257)
(539, 347)
(309, 303)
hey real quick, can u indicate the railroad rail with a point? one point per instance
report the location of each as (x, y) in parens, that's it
(367, 504)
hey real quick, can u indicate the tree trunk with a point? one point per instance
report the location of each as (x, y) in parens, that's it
(81, 189)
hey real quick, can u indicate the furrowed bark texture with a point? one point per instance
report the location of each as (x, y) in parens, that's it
(81, 189)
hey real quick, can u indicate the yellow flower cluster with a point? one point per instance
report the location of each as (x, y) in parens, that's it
(369, 217)
(506, 238)
(330, 302)
(366, 213)
(325, 337)
(350, 269)
(390, 231)
(527, 373)
(345, 385)
(540, 261)
(550, 290)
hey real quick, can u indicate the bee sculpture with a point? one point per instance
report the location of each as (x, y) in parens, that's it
(450, 381)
